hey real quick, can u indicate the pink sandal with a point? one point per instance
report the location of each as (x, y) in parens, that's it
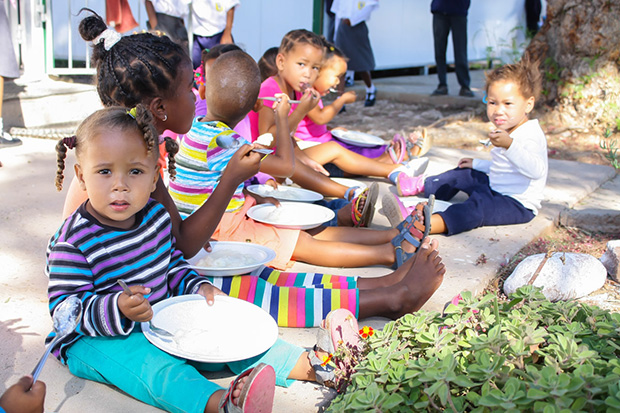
(409, 185)
(256, 395)
(339, 329)
(397, 142)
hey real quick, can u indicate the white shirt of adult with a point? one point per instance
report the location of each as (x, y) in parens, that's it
(521, 170)
(209, 16)
(174, 8)
(356, 11)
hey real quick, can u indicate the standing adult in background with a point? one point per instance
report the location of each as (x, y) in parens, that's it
(533, 8)
(168, 16)
(352, 38)
(212, 22)
(451, 15)
(8, 69)
(330, 22)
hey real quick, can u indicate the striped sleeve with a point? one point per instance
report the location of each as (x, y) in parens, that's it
(182, 279)
(70, 274)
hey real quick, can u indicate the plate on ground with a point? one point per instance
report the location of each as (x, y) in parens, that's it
(286, 193)
(348, 182)
(231, 258)
(291, 215)
(204, 332)
(411, 201)
(357, 138)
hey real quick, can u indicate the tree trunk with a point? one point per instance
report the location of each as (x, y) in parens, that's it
(579, 52)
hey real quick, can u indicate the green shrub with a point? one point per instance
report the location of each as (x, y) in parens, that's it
(483, 355)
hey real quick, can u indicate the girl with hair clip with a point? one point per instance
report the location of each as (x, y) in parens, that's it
(120, 234)
(167, 94)
(299, 60)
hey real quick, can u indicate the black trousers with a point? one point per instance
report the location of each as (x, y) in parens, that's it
(442, 25)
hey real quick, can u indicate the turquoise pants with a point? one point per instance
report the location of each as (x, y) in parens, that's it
(153, 376)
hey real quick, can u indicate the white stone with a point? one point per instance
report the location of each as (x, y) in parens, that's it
(564, 276)
(611, 259)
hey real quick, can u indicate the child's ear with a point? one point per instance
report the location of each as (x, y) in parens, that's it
(529, 104)
(158, 109)
(155, 178)
(202, 90)
(257, 105)
(280, 62)
(80, 176)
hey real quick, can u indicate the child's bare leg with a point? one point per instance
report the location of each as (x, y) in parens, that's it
(341, 254)
(438, 225)
(310, 179)
(303, 369)
(347, 160)
(360, 236)
(422, 279)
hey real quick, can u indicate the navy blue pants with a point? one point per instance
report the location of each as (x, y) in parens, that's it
(442, 25)
(484, 207)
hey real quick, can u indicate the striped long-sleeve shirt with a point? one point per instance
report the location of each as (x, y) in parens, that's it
(200, 164)
(86, 258)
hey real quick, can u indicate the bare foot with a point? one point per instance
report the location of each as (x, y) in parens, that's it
(424, 277)
(398, 275)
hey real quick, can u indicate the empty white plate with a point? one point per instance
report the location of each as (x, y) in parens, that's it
(291, 215)
(231, 258)
(229, 330)
(357, 138)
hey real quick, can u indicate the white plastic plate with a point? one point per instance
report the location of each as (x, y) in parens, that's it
(357, 138)
(291, 215)
(231, 258)
(411, 201)
(286, 193)
(229, 330)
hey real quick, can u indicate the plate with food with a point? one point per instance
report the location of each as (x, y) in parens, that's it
(291, 215)
(231, 258)
(357, 138)
(285, 193)
(412, 201)
(229, 330)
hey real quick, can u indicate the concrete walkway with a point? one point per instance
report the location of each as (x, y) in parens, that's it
(30, 214)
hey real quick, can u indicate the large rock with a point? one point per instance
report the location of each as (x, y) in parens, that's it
(611, 258)
(563, 276)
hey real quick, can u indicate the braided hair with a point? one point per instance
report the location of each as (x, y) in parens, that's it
(137, 68)
(300, 36)
(114, 117)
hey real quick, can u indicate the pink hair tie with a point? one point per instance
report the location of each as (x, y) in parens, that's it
(70, 141)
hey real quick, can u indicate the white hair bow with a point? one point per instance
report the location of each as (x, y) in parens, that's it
(109, 38)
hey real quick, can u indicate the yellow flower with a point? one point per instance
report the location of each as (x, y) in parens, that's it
(366, 332)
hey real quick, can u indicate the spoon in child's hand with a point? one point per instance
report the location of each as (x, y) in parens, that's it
(229, 142)
(156, 330)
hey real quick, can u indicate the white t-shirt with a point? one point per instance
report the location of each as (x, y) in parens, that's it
(521, 170)
(355, 10)
(175, 8)
(209, 16)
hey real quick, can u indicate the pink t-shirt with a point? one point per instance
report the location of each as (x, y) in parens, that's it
(268, 88)
(307, 130)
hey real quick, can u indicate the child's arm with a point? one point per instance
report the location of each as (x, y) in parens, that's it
(323, 115)
(71, 275)
(266, 117)
(281, 164)
(527, 154)
(196, 230)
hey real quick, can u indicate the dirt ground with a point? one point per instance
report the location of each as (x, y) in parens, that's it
(464, 127)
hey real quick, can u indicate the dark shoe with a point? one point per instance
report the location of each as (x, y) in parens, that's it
(441, 90)
(6, 141)
(344, 109)
(370, 99)
(466, 92)
(349, 81)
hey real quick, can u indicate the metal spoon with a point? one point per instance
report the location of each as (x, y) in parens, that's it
(157, 330)
(228, 142)
(66, 317)
(275, 99)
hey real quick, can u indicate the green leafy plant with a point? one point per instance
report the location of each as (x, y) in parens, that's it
(483, 355)
(610, 146)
